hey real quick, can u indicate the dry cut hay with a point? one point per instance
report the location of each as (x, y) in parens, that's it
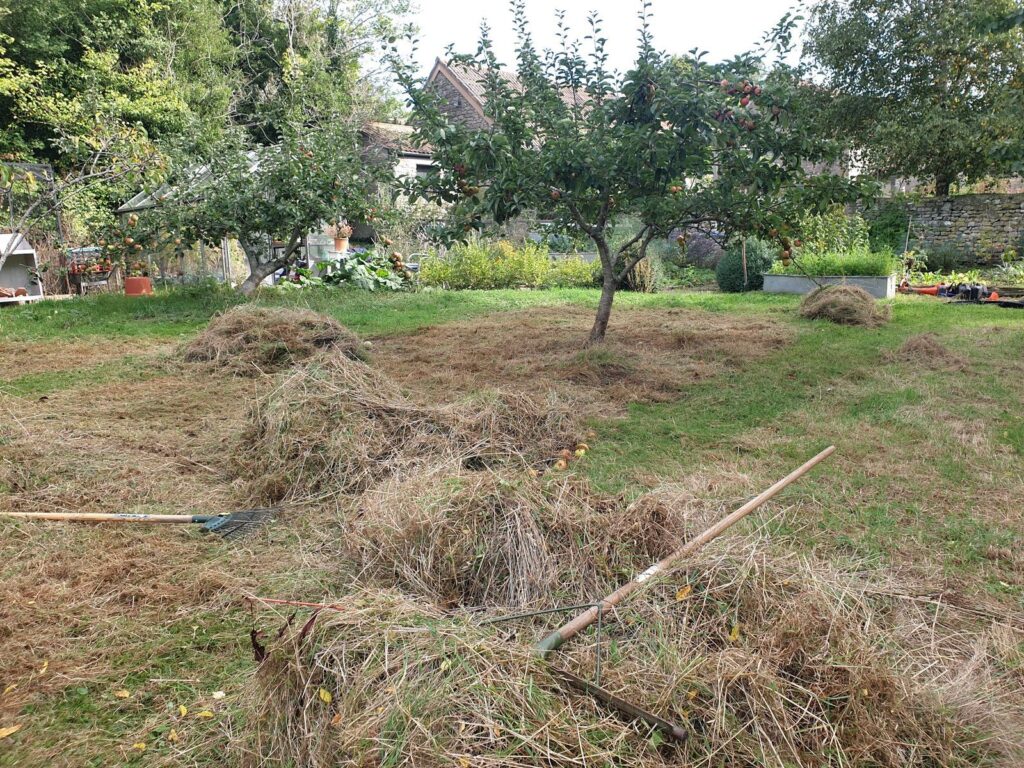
(249, 340)
(391, 681)
(504, 537)
(768, 662)
(924, 350)
(846, 305)
(337, 426)
(779, 660)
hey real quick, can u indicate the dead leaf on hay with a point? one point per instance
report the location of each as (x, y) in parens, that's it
(338, 426)
(249, 340)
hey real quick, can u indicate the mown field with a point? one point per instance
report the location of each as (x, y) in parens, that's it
(124, 643)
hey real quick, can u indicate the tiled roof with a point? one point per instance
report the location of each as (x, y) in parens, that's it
(396, 137)
(473, 81)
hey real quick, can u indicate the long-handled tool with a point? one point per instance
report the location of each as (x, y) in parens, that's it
(555, 640)
(229, 526)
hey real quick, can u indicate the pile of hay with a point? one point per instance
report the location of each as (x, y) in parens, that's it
(765, 661)
(392, 681)
(504, 537)
(846, 305)
(338, 426)
(924, 350)
(249, 340)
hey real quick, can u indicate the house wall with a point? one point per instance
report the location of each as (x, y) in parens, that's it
(16, 274)
(980, 226)
(455, 105)
(406, 166)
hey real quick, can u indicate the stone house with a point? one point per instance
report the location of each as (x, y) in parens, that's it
(460, 90)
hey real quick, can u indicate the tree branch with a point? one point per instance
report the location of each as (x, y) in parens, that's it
(578, 217)
(640, 254)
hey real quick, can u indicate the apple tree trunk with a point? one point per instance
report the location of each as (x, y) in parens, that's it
(261, 266)
(604, 310)
(257, 274)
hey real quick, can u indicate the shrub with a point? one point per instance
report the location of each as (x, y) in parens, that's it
(861, 261)
(887, 227)
(687, 276)
(834, 232)
(482, 265)
(572, 272)
(729, 272)
(646, 277)
(702, 250)
(945, 258)
(369, 270)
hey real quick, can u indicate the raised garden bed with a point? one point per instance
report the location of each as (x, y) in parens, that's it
(879, 287)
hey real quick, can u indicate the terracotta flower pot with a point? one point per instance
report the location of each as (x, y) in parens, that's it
(341, 244)
(138, 286)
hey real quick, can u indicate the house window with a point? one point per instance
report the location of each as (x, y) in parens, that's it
(423, 169)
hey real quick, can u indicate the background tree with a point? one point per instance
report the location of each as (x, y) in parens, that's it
(672, 144)
(920, 88)
(269, 198)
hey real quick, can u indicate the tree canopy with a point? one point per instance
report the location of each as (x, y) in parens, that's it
(929, 89)
(673, 143)
(111, 84)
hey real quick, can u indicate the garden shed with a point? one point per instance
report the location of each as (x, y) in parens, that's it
(19, 270)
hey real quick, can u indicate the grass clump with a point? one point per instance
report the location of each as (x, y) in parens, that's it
(249, 340)
(845, 305)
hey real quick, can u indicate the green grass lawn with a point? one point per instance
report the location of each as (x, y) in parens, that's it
(928, 475)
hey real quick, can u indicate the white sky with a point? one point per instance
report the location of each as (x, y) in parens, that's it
(721, 27)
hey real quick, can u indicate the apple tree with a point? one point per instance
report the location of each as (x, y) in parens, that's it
(926, 89)
(272, 195)
(674, 143)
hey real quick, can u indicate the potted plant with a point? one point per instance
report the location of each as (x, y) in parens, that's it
(341, 232)
(136, 279)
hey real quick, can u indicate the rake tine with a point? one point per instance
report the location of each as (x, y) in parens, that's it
(239, 524)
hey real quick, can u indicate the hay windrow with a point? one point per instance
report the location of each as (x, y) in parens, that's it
(504, 537)
(408, 686)
(927, 351)
(249, 340)
(338, 426)
(845, 305)
(767, 660)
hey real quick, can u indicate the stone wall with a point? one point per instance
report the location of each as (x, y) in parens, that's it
(455, 105)
(981, 227)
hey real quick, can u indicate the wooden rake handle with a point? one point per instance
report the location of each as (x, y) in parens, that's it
(555, 640)
(105, 517)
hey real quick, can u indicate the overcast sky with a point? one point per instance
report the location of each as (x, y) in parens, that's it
(721, 27)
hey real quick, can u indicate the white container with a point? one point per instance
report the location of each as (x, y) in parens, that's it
(879, 287)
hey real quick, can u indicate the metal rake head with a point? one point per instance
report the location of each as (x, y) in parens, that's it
(239, 524)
